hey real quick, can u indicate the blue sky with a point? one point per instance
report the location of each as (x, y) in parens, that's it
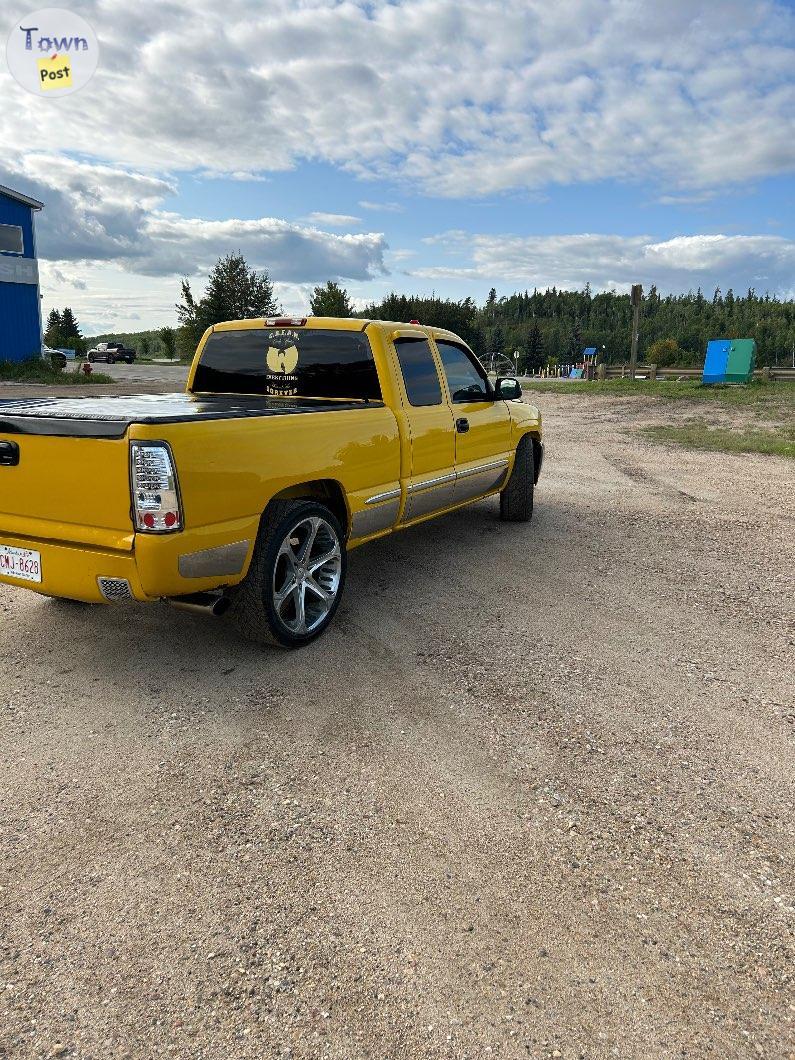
(446, 145)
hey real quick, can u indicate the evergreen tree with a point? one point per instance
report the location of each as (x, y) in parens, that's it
(69, 334)
(330, 300)
(535, 348)
(234, 292)
(70, 329)
(460, 317)
(52, 333)
(575, 342)
(167, 337)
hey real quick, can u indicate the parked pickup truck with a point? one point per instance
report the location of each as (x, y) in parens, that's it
(296, 440)
(110, 352)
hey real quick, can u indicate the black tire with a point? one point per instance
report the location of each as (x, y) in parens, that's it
(516, 500)
(255, 611)
(110, 359)
(91, 358)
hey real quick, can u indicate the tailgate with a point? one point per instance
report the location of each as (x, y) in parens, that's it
(65, 489)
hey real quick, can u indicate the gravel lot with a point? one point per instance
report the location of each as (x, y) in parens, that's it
(174, 374)
(532, 795)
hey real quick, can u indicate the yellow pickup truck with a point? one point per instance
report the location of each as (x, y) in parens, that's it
(296, 440)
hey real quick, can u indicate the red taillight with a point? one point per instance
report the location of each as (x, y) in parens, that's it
(154, 488)
(414, 322)
(285, 322)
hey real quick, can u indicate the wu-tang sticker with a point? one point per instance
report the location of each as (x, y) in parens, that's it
(282, 361)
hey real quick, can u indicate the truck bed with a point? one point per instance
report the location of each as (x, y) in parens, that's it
(110, 417)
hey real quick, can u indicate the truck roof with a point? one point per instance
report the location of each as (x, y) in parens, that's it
(333, 324)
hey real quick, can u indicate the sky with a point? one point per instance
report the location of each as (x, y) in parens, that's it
(415, 146)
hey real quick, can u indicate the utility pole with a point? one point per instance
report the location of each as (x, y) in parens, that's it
(635, 300)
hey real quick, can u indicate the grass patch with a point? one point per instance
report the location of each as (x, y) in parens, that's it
(35, 371)
(776, 393)
(777, 442)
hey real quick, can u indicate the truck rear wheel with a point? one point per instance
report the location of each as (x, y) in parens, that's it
(516, 500)
(296, 577)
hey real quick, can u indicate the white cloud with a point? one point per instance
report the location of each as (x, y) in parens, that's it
(291, 252)
(381, 207)
(105, 213)
(615, 262)
(333, 220)
(457, 97)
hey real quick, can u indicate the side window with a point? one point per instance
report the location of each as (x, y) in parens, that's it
(419, 371)
(11, 239)
(466, 378)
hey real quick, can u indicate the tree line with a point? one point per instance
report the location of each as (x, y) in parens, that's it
(545, 327)
(554, 326)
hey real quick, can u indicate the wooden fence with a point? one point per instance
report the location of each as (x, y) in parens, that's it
(652, 371)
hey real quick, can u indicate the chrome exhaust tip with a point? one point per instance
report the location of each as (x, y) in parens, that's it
(201, 603)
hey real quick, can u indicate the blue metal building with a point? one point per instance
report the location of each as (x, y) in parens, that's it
(20, 307)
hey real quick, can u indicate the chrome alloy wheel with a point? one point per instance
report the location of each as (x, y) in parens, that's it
(306, 576)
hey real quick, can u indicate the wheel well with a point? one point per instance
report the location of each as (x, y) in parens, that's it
(538, 455)
(325, 490)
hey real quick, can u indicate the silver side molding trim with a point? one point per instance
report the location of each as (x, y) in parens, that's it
(482, 467)
(372, 520)
(429, 496)
(436, 493)
(480, 480)
(214, 562)
(431, 483)
(388, 496)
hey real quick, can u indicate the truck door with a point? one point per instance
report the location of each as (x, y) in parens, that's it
(482, 425)
(428, 467)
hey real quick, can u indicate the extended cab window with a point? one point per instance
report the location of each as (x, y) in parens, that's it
(419, 371)
(288, 362)
(465, 377)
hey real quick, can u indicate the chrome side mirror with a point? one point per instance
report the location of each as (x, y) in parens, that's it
(508, 389)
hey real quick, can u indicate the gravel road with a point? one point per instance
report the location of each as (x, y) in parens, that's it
(531, 796)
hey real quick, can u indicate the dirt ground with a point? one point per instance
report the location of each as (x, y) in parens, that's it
(531, 796)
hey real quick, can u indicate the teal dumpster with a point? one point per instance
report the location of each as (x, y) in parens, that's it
(729, 361)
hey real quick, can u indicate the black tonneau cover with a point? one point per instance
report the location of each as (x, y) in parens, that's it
(110, 417)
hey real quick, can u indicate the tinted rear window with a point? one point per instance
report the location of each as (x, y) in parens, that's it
(288, 363)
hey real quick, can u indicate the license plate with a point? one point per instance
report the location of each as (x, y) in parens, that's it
(22, 563)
